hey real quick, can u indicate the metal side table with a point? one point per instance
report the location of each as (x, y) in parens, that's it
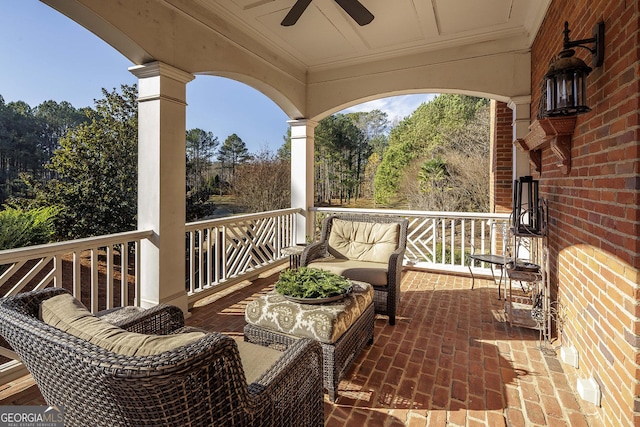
(493, 260)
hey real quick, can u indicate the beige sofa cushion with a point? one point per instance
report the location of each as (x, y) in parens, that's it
(363, 241)
(362, 271)
(68, 314)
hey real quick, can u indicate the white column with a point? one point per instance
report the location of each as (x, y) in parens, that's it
(161, 182)
(521, 107)
(302, 144)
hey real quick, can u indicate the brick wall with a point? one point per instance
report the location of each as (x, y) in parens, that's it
(501, 158)
(594, 210)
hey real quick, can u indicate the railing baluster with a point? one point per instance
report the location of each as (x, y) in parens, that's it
(109, 284)
(463, 241)
(77, 285)
(192, 263)
(201, 281)
(218, 254)
(57, 278)
(482, 229)
(472, 249)
(94, 280)
(434, 239)
(124, 274)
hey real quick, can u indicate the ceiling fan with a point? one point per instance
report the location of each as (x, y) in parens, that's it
(354, 8)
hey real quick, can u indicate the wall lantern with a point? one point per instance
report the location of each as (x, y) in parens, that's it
(566, 80)
(564, 96)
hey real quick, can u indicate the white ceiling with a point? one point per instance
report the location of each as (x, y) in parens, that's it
(326, 37)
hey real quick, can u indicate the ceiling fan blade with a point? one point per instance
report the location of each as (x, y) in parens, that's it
(294, 14)
(357, 11)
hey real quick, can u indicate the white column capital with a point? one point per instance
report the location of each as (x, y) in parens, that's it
(514, 101)
(302, 128)
(160, 69)
(302, 122)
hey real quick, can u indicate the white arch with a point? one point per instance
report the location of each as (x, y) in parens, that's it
(146, 32)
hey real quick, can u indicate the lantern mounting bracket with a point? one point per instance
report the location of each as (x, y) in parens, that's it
(597, 51)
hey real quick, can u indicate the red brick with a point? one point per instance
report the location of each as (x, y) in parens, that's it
(436, 418)
(515, 418)
(441, 397)
(551, 406)
(459, 391)
(534, 412)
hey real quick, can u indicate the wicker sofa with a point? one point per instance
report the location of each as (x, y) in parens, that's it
(207, 380)
(366, 248)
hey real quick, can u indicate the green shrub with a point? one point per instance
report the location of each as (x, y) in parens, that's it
(20, 228)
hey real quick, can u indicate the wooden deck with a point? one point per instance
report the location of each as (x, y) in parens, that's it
(451, 359)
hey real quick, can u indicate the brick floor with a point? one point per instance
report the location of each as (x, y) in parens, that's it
(451, 359)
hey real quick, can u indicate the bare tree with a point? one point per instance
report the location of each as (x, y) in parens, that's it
(263, 183)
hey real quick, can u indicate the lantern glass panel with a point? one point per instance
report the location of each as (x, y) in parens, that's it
(564, 85)
(551, 91)
(580, 88)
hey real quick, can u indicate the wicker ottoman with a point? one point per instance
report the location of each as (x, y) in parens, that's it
(343, 328)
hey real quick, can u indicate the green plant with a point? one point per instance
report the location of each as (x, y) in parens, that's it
(20, 228)
(307, 282)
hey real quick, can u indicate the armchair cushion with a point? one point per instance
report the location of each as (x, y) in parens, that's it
(363, 241)
(256, 360)
(362, 271)
(368, 248)
(69, 315)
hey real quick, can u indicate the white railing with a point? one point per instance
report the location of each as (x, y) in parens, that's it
(225, 251)
(442, 241)
(102, 272)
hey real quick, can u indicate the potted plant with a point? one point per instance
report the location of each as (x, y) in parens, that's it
(311, 284)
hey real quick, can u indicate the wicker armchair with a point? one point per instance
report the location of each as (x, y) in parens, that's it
(356, 264)
(199, 384)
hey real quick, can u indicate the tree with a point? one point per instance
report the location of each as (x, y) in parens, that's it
(341, 151)
(374, 124)
(232, 153)
(96, 165)
(264, 183)
(454, 176)
(55, 120)
(418, 134)
(284, 152)
(200, 148)
(28, 138)
(19, 137)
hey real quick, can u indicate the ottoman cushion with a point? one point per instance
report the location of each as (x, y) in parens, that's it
(323, 322)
